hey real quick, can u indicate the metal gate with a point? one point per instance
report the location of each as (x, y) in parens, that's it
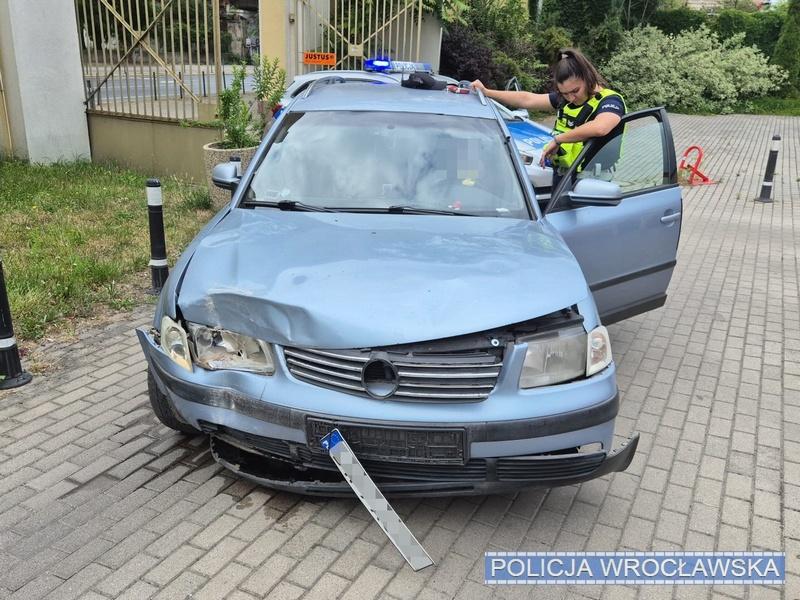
(152, 58)
(346, 32)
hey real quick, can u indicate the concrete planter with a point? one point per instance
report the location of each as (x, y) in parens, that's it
(212, 156)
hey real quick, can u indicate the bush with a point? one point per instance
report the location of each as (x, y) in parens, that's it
(692, 72)
(238, 128)
(603, 40)
(493, 45)
(678, 20)
(761, 29)
(550, 40)
(787, 50)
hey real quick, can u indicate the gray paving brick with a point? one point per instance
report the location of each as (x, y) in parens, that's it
(369, 584)
(78, 583)
(450, 574)
(222, 583)
(286, 591)
(131, 571)
(269, 575)
(138, 591)
(174, 564)
(358, 556)
(312, 567)
(130, 524)
(37, 588)
(220, 555)
(80, 558)
(173, 539)
(211, 510)
(328, 586)
(125, 550)
(215, 531)
(258, 551)
(171, 516)
(168, 478)
(183, 587)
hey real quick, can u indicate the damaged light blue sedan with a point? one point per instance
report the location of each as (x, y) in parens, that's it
(384, 268)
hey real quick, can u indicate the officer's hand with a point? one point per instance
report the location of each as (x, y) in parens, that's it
(548, 150)
(478, 85)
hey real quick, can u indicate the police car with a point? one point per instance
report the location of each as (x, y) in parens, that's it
(384, 270)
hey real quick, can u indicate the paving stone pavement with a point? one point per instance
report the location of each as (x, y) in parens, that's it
(98, 501)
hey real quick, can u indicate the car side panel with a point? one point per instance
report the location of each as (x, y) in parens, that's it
(626, 252)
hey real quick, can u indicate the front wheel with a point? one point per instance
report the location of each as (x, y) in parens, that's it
(163, 410)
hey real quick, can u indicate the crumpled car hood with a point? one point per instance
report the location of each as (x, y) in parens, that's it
(345, 280)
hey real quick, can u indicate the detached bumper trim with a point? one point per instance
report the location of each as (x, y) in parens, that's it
(617, 460)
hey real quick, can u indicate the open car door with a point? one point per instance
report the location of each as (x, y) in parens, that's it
(619, 210)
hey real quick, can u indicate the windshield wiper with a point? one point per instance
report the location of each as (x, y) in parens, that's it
(289, 205)
(401, 209)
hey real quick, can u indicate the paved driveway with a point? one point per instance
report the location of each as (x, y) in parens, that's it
(99, 501)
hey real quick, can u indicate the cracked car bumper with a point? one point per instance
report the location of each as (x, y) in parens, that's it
(274, 444)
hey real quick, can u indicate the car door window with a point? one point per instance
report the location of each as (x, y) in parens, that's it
(633, 159)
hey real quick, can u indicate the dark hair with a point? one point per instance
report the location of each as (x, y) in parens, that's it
(572, 63)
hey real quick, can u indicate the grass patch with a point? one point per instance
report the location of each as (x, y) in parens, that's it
(74, 238)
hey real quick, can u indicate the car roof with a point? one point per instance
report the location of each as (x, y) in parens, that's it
(372, 96)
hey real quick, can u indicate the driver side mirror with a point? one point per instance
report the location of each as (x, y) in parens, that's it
(595, 192)
(226, 175)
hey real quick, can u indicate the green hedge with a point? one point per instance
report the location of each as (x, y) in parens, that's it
(787, 50)
(678, 20)
(761, 29)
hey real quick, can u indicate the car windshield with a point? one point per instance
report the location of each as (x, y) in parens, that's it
(376, 160)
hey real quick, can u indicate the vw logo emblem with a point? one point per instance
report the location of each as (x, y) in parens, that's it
(379, 378)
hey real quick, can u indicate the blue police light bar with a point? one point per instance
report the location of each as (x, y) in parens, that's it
(382, 64)
(379, 64)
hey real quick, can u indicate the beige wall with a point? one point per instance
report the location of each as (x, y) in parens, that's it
(42, 79)
(155, 147)
(273, 24)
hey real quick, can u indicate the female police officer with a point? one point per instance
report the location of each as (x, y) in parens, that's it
(586, 108)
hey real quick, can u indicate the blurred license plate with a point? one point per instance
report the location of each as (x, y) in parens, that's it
(439, 446)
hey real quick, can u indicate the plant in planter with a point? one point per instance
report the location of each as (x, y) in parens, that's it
(240, 133)
(269, 85)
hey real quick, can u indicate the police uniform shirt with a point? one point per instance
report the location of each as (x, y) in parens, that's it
(612, 104)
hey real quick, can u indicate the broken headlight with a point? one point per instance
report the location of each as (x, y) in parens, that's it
(554, 357)
(174, 343)
(216, 348)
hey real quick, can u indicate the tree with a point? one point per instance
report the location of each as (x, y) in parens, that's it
(787, 50)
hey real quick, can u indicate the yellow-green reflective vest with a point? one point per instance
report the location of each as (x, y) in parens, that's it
(571, 116)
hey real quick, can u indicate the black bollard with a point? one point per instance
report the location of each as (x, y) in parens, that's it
(11, 373)
(158, 245)
(766, 186)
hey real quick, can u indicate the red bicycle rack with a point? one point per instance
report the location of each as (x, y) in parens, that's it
(694, 169)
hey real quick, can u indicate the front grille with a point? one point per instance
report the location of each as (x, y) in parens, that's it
(441, 377)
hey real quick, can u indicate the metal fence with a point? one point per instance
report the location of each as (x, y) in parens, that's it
(351, 31)
(153, 58)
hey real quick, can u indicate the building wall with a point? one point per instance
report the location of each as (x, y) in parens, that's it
(43, 80)
(160, 148)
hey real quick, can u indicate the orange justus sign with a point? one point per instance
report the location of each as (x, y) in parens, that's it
(319, 58)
